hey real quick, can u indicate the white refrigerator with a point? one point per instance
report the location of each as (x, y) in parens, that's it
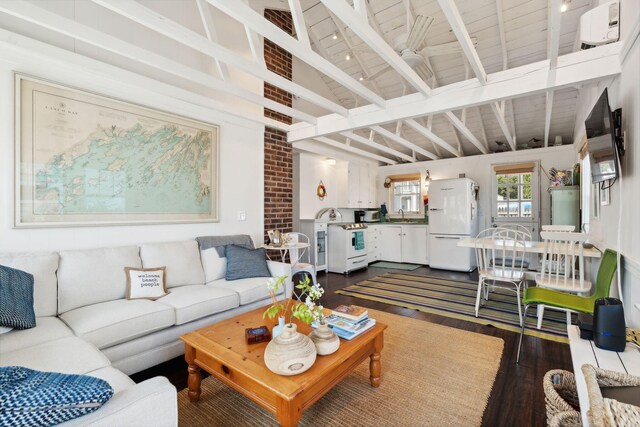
(453, 216)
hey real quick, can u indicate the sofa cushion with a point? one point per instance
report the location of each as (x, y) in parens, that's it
(116, 378)
(43, 267)
(214, 265)
(197, 301)
(249, 290)
(69, 355)
(91, 276)
(148, 283)
(16, 299)
(47, 329)
(112, 322)
(182, 260)
(48, 398)
(243, 263)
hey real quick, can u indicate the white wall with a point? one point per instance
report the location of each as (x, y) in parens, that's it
(241, 146)
(479, 169)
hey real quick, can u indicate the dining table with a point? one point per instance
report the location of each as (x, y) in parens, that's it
(530, 246)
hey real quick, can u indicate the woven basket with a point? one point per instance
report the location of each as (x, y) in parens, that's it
(561, 398)
(608, 412)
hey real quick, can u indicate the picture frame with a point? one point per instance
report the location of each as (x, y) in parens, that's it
(605, 197)
(87, 159)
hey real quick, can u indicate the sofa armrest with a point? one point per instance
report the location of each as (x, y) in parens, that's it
(153, 402)
(277, 268)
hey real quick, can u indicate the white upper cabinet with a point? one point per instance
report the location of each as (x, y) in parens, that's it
(360, 189)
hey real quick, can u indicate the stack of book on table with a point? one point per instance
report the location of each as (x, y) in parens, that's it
(349, 321)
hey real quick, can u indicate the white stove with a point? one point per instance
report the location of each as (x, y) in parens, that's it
(347, 248)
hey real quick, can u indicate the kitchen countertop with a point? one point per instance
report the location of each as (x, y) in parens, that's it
(417, 222)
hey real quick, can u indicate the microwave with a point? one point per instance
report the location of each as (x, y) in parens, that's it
(371, 216)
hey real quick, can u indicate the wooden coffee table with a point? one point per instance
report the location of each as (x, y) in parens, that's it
(221, 350)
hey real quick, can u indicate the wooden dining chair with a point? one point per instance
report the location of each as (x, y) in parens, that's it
(500, 254)
(562, 252)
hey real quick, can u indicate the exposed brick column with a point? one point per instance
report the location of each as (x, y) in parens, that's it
(278, 156)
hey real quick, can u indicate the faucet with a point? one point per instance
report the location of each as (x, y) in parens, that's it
(401, 211)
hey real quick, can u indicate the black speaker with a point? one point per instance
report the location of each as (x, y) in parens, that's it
(609, 330)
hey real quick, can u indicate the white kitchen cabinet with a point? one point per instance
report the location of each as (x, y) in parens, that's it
(360, 191)
(391, 243)
(414, 244)
(406, 243)
(373, 243)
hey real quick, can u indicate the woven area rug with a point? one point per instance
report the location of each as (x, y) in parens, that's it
(395, 265)
(457, 299)
(432, 375)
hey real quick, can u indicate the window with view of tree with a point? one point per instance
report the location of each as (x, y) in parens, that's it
(514, 195)
(405, 193)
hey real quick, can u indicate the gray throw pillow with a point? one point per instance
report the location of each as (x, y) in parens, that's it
(243, 263)
(16, 299)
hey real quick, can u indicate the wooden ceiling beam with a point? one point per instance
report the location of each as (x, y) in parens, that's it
(298, 22)
(432, 136)
(212, 34)
(349, 148)
(400, 140)
(369, 142)
(553, 40)
(89, 35)
(359, 26)
(161, 24)
(575, 68)
(244, 14)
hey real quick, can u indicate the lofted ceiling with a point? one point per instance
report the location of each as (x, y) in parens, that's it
(492, 75)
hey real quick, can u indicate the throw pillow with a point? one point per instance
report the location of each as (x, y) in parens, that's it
(243, 263)
(16, 299)
(148, 283)
(31, 398)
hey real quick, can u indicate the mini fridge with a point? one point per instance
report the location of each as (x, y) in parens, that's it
(565, 205)
(316, 230)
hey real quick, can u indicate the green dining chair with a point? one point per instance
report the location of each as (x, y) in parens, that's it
(571, 302)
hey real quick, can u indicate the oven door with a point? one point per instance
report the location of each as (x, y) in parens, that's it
(356, 243)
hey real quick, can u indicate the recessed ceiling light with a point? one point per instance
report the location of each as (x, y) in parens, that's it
(347, 57)
(334, 36)
(330, 161)
(361, 78)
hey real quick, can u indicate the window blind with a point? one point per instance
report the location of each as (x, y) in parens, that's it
(514, 168)
(404, 178)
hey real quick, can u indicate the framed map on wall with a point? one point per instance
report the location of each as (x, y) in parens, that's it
(87, 159)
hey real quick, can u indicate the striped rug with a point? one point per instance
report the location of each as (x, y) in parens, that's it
(454, 298)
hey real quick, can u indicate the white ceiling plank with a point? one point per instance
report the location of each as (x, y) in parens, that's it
(484, 133)
(400, 140)
(360, 27)
(432, 136)
(62, 25)
(161, 24)
(455, 121)
(298, 22)
(210, 31)
(575, 68)
(547, 117)
(355, 150)
(460, 30)
(373, 144)
(244, 14)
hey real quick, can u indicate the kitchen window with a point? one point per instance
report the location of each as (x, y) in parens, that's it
(405, 193)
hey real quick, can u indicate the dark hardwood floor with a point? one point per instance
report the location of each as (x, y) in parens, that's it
(517, 397)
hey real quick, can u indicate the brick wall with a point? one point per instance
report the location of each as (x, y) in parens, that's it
(278, 157)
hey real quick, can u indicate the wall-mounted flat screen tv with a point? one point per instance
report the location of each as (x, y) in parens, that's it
(603, 153)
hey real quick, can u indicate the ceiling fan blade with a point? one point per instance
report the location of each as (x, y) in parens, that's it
(419, 32)
(379, 73)
(424, 71)
(445, 48)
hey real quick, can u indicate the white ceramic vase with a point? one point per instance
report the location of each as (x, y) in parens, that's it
(290, 353)
(325, 340)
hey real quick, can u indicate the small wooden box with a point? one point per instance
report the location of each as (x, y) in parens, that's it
(257, 335)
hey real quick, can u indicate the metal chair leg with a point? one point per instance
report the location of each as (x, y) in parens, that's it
(479, 295)
(524, 322)
(519, 304)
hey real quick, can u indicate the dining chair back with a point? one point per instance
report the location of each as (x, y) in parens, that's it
(567, 228)
(300, 257)
(500, 256)
(562, 251)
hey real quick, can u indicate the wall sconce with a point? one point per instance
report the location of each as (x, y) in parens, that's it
(330, 162)
(427, 178)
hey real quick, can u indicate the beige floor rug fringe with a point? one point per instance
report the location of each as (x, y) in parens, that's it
(432, 375)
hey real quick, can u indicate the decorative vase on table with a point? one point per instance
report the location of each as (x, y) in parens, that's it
(277, 330)
(290, 353)
(325, 340)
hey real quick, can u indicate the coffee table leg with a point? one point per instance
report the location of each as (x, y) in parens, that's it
(289, 412)
(195, 378)
(375, 368)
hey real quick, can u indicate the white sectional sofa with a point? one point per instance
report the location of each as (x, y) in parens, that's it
(85, 325)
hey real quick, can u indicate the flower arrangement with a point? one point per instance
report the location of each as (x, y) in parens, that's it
(307, 311)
